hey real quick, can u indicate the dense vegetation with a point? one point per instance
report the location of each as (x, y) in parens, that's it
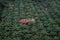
(45, 12)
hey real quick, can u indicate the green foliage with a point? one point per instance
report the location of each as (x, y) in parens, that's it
(46, 13)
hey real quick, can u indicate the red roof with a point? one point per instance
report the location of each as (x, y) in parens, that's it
(24, 21)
